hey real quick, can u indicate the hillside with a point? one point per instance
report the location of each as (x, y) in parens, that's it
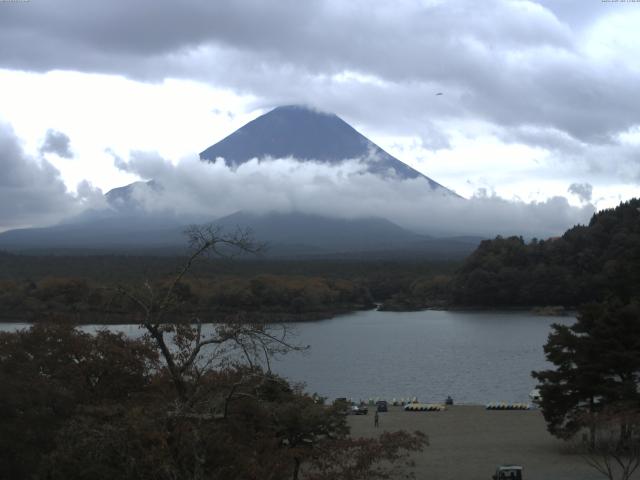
(588, 263)
(308, 135)
(286, 235)
(126, 225)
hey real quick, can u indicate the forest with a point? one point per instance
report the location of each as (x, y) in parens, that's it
(587, 263)
(166, 406)
(175, 403)
(86, 288)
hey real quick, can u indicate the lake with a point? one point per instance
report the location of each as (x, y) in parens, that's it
(476, 357)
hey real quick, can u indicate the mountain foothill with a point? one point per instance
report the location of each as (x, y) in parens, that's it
(294, 132)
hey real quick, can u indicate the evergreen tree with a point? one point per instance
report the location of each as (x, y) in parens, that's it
(588, 263)
(597, 364)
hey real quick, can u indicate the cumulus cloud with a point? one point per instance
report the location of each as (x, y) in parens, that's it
(58, 143)
(118, 161)
(346, 190)
(583, 191)
(31, 190)
(511, 63)
(558, 75)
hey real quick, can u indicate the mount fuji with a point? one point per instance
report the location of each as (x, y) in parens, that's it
(299, 133)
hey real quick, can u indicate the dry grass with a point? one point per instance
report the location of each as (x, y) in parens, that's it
(468, 442)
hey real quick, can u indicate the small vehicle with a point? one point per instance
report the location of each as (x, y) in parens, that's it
(382, 406)
(508, 472)
(359, 410)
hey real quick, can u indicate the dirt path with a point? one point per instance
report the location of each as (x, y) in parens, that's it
(468, 442)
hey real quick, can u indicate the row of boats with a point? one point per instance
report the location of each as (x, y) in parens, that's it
(507, 406)
(412, 404)
(424, 407)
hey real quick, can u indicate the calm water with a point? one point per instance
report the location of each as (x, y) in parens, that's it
(476, 357)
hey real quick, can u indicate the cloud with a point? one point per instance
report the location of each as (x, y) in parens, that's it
(58, 143)
(511, 63)
(553, 75)
(346, 190)
(575, 13)
(583, 191)
(118, 161)
(31, 190)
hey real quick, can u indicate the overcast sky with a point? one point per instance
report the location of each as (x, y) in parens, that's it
(539, 98)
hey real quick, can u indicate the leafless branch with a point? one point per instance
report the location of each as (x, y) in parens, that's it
(616, 449)
(184, 344)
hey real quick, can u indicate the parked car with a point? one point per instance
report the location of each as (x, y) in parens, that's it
(382, 406)
(508, 472)
(359, 410)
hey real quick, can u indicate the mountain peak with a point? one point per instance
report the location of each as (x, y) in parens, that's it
(301, 109)
(304, 133)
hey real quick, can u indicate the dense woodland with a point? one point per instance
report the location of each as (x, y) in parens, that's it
(80, 406)
(587, 263)
(166, 406)
(86, 288)
(177, 403)
(282, 296)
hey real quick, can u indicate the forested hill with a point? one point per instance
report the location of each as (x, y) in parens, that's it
(587, 263)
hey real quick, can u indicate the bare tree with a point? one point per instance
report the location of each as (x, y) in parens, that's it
(182, 342)
(237, 422)
(614, 450)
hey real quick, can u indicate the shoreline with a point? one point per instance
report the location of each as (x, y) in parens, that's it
(545, 310)
(289, 317)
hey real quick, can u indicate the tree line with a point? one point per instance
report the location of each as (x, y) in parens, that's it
(182, 401)
(86, 301)
(587, 263)
(35, 288)
(591, 396)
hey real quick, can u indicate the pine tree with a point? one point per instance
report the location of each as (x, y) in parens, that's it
(597, 366)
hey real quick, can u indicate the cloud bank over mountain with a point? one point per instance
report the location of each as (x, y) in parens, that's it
(346, 190)
(552, 80)
(31, 190)
(33, 194)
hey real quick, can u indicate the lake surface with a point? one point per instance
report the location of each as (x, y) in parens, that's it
(476, 357)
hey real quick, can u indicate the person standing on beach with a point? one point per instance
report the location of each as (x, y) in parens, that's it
(376, 420)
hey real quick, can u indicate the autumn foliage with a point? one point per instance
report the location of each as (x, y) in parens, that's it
(102, 406)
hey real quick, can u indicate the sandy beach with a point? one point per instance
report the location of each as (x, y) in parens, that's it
(468, 442)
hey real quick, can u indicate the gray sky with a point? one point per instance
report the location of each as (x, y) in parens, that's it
(539, 97)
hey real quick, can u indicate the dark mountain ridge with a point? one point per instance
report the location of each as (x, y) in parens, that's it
(322, 232)
(285, 235)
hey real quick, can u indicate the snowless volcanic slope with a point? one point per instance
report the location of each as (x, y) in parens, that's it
(285, 132)
(306, 134)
